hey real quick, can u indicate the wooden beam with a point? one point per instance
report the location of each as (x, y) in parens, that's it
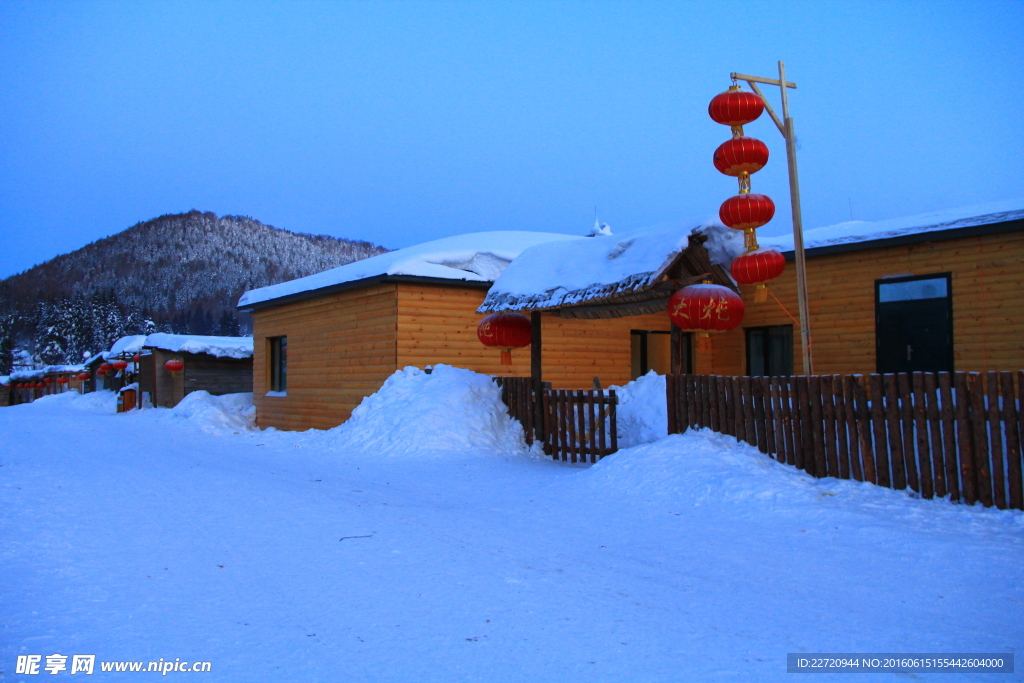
(536, 376)
(771, 112)
(759, 79)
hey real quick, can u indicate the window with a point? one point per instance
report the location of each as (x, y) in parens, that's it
(278, 364)
(770, 351)
(652, 350)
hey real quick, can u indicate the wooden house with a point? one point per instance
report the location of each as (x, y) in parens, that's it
(323, 343)
(934, 292)
(218, 365)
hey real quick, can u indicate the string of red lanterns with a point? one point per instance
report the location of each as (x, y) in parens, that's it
(739, 157)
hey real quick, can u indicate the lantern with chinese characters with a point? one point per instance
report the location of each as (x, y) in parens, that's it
(506, 331)
(174, 366)
(705, 308)
(757, 267)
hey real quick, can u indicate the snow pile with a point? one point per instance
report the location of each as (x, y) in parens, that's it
(477, 257)
(642, 414)
(222, 347)
(414, 413)
(94, 402)
(723, 245)
(227, 414)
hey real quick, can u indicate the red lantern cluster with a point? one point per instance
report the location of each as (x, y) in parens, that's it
(739, 157)
(120, 364)
(506, 331)
(104, 368)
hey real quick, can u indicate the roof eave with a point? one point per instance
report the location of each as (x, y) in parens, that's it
(356, 284)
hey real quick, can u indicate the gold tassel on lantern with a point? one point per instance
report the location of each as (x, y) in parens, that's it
(506, 356)
(703, 342)
(760, 293)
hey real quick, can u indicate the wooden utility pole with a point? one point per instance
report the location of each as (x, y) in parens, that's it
(785, 127)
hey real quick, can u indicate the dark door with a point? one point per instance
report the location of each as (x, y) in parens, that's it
(914, 324)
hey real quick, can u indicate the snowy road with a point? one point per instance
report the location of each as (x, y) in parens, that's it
(277, 558)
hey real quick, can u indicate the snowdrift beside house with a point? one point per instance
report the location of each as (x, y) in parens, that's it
(642, 414)
(415, 413)
(227, 414)
(104, 402)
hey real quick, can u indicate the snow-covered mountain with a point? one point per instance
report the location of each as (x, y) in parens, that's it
(184, 272)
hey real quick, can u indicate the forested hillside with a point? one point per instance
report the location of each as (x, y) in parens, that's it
(181, 273)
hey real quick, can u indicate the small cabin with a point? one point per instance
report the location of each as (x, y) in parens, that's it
(218, 365)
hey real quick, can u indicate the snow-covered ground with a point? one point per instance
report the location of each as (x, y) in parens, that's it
(343, 556)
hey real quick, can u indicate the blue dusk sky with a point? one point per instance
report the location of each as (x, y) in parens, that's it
(402, 122)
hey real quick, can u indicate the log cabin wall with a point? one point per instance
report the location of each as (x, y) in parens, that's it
(988, 305)
(437, 324)
(341, 348)
(167, 389)
(219, 376)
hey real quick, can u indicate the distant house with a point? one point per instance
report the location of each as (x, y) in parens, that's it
(324, 342)
(218, 365)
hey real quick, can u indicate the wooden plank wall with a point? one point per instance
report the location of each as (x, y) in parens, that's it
(438, 325)
(169, 389)
(988, 302)
(341, 348)
(218, 376)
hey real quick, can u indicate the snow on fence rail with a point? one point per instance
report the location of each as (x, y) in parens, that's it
(575, 426)
(957, 434)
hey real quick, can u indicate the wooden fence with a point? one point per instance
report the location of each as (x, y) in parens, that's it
(578, 426)
(957, 434)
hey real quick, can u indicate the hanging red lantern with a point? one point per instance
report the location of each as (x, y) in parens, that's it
(47, 381)
(62, 380)
(756, 268)
(747, 211)
(104, 368)
(739, 157)
(83, 376)
(174, 366)
(735, 107)
(120, 364)
(40, 385)
(507, 331)
(135, 358)
(705, 308)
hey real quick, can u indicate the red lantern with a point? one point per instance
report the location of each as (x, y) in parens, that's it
(174, 366)
(507, 331)
(135, 358)
(756, 268)
(83, 376)
(104, 368)
(62, 380)
(120, 364)
(48, 381)
(40, 385)
(735, 107)
(747, 211)
(740, 157)
(705, 308)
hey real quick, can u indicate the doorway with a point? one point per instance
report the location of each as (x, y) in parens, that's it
(914, 324)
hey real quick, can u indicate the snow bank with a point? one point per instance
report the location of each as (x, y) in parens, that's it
(478, 257)
(227, 414)
(416, 414)
(642, 414)
(222, 347)
(104, 402)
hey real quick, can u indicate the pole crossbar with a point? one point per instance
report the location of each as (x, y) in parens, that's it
(759, 79)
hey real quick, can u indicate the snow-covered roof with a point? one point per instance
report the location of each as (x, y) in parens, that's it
(852, 232)
(475, 257)
(567, 273)
(222, 347)
(37, 373)
(129, 344)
